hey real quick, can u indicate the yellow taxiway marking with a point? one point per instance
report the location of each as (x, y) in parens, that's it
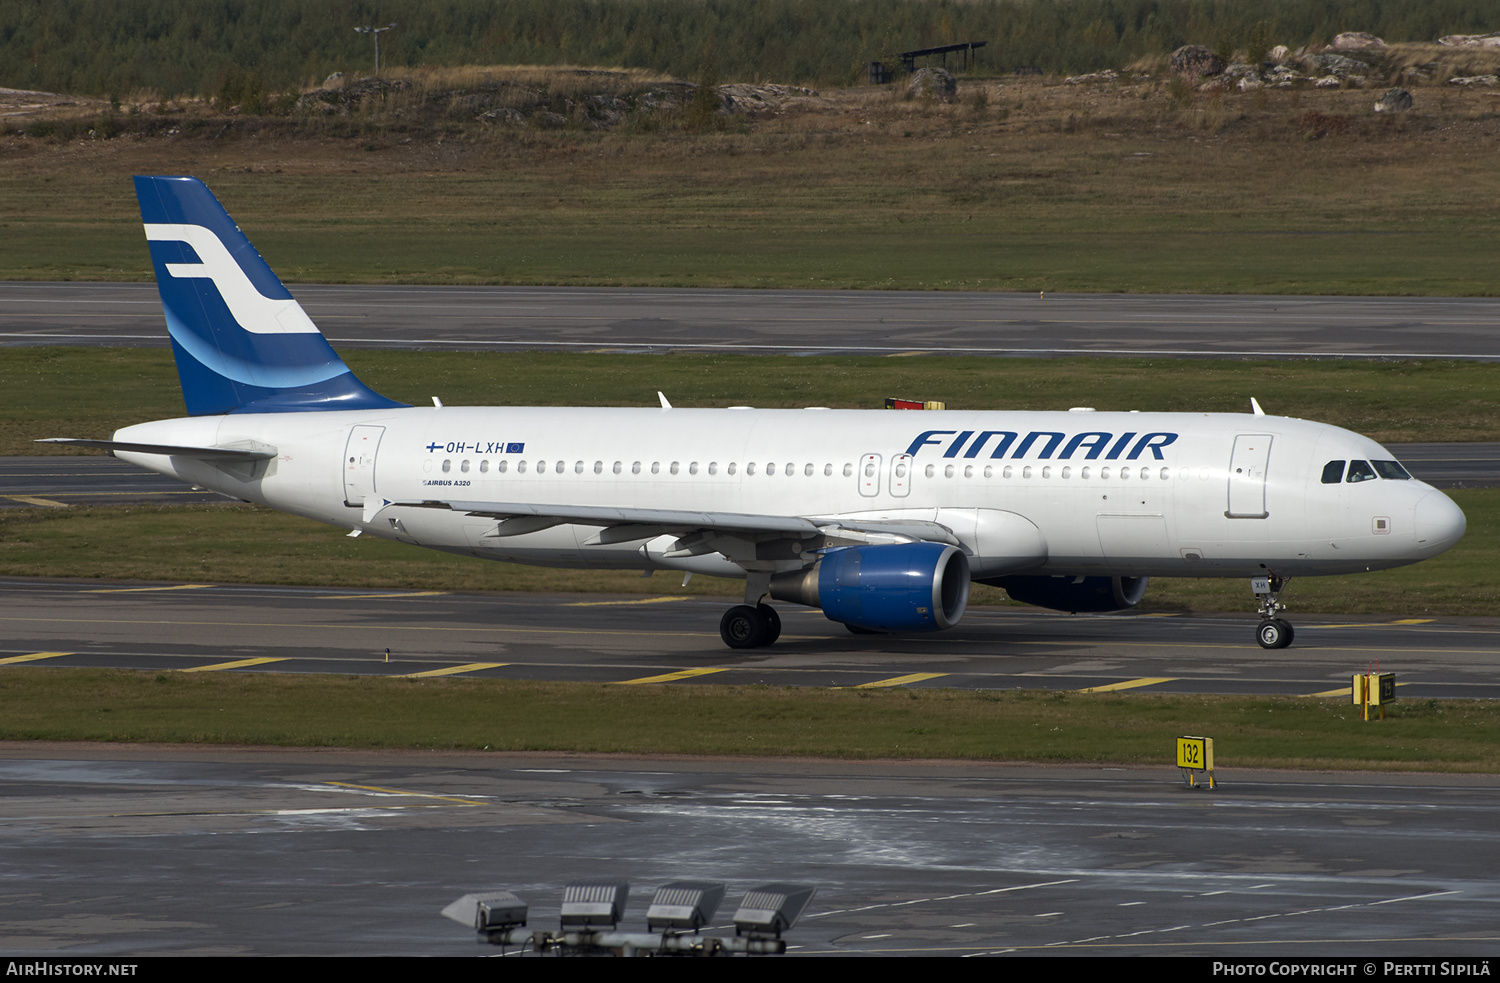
(1380, 624)
(471, 667)
(915, 677)
(237, 664)
(364, 597)
(1127, 684)
(35, 500)
(669, 677)
(11, 660)
(608, 604)
(139, 590)
(397, 791)
(1346, 691)
(903, 354)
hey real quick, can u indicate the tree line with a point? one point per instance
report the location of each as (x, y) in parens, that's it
(196, 47)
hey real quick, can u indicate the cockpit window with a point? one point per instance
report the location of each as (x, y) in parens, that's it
(1360, 471)
(1390, 469)
(1333, 472)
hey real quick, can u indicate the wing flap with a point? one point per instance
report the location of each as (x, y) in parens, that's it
(622, 524)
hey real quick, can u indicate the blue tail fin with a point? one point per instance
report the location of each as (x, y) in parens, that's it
(241, 342)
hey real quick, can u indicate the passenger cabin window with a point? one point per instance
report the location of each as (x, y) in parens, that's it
(1360, 471)
(1333, 472)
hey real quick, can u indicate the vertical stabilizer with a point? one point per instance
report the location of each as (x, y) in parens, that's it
(241, 342)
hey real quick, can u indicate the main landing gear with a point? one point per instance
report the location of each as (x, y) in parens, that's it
(747, 627)
(1272, 632)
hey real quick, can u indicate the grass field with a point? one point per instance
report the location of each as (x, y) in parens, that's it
(363, 711)
(1021, 184)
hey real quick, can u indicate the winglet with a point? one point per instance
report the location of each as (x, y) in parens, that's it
(1255, 407)
(662, 396)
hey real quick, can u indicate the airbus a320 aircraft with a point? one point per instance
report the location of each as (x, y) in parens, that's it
(880, 519)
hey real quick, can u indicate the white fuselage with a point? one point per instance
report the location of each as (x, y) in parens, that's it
(1078, 493)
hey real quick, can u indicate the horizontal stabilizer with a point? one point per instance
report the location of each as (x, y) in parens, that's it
(250, 451)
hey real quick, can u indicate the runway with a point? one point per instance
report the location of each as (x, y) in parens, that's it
(674, 640)
(803, 321)
(114, 852)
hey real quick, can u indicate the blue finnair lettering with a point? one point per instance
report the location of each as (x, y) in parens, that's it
(926, 437)
(1153, 442)
(1090, 445)
(1030, 439)
(958, 443)
(1007, 437)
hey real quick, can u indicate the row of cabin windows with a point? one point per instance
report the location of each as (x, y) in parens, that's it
(809, 470)
(676, 467)
(1333, 471)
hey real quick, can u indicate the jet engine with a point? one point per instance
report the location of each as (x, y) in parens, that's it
(897, 587)
(1074, 594)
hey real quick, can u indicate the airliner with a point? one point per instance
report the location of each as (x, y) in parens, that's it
(880, 519)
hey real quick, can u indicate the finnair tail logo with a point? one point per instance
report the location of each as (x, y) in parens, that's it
(253, 311)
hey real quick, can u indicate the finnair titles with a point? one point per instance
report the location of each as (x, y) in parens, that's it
(880, 519)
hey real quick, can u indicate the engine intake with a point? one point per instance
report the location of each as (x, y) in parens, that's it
(900, 587)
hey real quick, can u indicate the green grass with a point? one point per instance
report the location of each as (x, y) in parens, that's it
(81, 392)
(1047, 187)
(242, 544)
(363, 711)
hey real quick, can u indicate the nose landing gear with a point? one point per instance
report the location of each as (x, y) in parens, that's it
(1272, 632)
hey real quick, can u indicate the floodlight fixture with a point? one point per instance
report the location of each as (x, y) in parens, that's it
(586, 904)
(684, 906)
(495, 911)
(767, 911)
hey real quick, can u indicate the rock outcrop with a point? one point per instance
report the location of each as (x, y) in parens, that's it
(1396, 100)
(1356, 41)
(933, 83)
(1196, 61)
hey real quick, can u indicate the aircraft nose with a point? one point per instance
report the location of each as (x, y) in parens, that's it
(1439, 522)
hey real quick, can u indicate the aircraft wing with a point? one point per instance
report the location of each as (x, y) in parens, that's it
(625, 524)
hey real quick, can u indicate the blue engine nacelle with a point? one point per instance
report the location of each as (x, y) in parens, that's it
(1074, 594)
(900, 587)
